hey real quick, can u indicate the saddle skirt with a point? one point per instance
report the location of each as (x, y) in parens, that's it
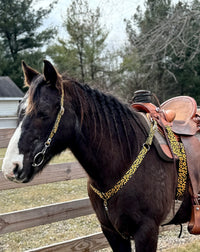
(159, 140)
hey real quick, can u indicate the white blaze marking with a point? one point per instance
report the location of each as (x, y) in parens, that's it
(12, 156)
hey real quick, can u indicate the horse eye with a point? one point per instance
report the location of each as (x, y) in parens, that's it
(42, 115)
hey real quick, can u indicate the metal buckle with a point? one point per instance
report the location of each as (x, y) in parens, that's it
(147, 146)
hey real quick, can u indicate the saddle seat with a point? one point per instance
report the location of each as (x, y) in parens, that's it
(186, 118)
(181, 114)
(185, 107)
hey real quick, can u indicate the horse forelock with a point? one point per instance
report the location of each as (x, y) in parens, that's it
(32, 93)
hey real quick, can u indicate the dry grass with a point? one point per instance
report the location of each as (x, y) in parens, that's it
(48, 234)
(33, 196)
(190, 247)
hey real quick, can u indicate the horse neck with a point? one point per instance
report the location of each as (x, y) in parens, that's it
(106, 142)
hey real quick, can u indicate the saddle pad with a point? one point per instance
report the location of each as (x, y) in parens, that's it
(184, 106)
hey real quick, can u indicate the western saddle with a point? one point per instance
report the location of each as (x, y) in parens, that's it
(182, 116)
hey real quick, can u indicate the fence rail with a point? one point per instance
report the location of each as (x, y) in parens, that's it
(88, 243)
(64, 171)
(5, 135)
(19, 220)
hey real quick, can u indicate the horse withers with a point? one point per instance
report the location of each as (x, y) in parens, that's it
(131, 188)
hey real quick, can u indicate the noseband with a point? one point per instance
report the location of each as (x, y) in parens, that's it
(39, 157)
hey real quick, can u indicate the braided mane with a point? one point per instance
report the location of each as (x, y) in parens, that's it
(106, 113)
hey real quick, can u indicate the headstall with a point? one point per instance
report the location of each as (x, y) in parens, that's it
(39, 157)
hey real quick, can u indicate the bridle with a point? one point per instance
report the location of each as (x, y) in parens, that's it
(39, 157)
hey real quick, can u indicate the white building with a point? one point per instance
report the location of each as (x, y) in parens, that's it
(10, 96)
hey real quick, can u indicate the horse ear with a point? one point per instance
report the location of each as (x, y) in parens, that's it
(50, 73)
(29, 73)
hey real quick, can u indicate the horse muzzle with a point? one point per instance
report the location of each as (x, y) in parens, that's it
(13, 171)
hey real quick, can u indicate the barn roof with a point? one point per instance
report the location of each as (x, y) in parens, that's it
(8, 88)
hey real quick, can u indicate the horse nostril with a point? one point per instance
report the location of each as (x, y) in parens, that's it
(16, 169)
(18, 173)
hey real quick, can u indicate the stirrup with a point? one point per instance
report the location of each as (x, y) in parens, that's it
(194, 224)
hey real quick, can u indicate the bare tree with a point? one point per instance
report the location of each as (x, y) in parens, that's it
(170, 46)
(172, 41)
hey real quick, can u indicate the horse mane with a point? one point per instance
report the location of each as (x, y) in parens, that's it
(106, 112)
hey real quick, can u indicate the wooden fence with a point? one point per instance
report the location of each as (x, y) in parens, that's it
(19, 220)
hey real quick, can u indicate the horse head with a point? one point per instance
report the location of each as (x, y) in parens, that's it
(39, 135)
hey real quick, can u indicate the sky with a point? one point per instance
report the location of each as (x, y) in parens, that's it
(113, 13)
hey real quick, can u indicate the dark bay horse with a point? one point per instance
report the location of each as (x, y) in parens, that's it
(106, 137)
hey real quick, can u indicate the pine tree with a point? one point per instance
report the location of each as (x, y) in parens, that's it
(19, 35)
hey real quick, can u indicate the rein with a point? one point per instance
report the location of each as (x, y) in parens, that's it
(146, 147)
(39, 157)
